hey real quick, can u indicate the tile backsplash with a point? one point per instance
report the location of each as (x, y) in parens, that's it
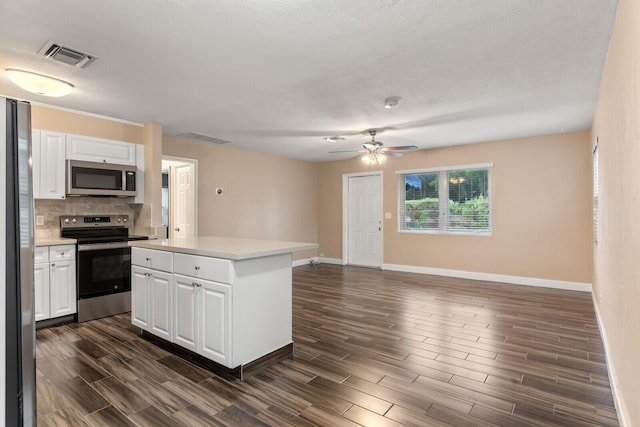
(53, 209)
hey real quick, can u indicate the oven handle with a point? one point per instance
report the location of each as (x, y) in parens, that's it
(102, 246)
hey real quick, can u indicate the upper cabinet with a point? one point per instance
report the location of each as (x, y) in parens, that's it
(50, 150)
(100, 150)
(48, 155)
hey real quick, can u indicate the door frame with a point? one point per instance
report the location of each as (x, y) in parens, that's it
(182, 160)
(345, 212)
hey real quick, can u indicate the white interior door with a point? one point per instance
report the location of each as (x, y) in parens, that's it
(183, 201)
(365, 220)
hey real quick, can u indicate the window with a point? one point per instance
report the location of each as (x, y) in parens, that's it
(596, 224)
(453, 199)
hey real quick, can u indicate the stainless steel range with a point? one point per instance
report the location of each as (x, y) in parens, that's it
(103, 260)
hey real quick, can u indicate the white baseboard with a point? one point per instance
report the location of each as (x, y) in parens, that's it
(621, 408)
(336, 261)
(304, 261)
(517, 280)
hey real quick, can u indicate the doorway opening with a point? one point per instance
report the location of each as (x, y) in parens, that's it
(179, 196)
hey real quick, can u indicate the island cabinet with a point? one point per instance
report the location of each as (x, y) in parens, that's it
(151, 292)
(202, 306)
(233, 307)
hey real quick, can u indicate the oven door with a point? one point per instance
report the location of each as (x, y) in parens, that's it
(103, 269)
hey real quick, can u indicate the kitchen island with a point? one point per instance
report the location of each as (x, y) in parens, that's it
(225, 299)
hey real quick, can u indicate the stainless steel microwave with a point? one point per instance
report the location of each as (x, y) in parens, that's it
(100, 179)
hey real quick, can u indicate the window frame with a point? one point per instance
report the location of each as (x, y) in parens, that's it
(443, 203)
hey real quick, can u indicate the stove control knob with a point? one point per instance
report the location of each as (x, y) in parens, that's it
(124, 219)
(73, 221)
(119, 219)
(66, 220)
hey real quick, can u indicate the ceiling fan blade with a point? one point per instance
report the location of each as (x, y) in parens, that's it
(402, 148)
(394, 153)
(347, 151)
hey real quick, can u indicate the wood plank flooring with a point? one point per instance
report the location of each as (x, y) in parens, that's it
(371, 348)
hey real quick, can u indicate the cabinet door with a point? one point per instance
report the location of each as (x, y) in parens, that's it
(215, 322)
(62, 288)
(185, 329)
(49, 160)
(41, 291)
(161, 298)
(100, 150)
(140, 284)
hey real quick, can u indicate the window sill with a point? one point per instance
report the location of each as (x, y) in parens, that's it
(448, 233)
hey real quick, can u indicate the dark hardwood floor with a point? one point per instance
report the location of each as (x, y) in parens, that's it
(371, 347)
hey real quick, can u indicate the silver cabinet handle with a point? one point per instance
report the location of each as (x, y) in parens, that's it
(53, 264)
(196, 284)
(61, 253)
(148, 259)
(197, 267)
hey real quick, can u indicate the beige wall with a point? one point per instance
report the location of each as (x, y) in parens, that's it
(617, 254)
(265, 197)
(80, 124)
(541, 221)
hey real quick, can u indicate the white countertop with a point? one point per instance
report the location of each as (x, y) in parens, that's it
(224, 247)
(55, 241)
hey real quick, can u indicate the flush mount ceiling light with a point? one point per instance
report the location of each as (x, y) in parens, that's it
(39, 84)
(334, 138)
(392, 102)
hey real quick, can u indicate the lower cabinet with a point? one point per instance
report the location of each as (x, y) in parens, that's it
(151, 301)
(202, 317)
(54, 281)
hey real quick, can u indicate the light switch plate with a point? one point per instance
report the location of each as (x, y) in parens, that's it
(39, 219)
(387, 215)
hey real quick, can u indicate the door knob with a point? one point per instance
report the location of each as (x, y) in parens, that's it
(177, 229)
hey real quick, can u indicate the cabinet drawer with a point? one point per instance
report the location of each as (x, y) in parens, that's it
(62, 253)
(215, 269)
(41, 254)
(158, 260)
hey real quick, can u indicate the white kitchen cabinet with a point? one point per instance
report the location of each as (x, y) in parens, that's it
(185, 308)
(92, 149)
(151, 301)
(231, 311)
(215, 321)
(62, 288)
(140, 285)
(54, 281)
(48, 164)
(202, 317)
(41, 290)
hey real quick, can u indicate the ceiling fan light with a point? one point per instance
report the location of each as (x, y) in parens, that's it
(39, 84)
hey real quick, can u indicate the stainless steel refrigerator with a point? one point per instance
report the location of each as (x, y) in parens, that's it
(17, 325)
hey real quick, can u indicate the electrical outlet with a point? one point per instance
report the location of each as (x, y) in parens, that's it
(39, 219)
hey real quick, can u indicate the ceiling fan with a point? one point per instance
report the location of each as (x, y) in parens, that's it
(375, 151)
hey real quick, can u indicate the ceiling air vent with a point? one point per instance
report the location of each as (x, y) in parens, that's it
(66, 55)
(203, 138)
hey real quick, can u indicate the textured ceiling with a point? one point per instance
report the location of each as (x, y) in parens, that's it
(277, 75)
